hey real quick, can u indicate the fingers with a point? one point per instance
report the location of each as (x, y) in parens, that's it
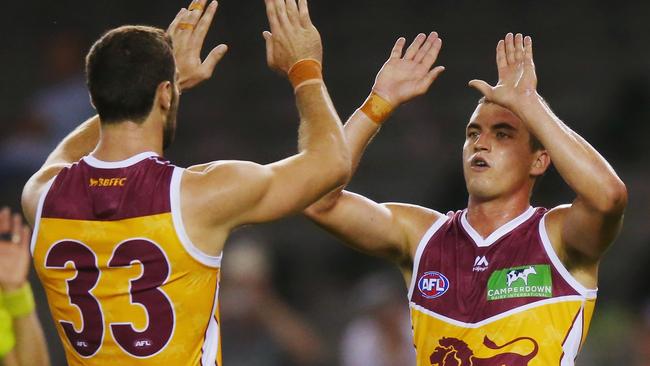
(196, 9)
(272, 15)
(16, 228)
(25, 237)
(268, 37)
(501, 55)
(528, 52)
(203, 25)
(519, 48)
(303, 9)
(5, 221)
(432, 55)
(396, 52)
(281, 11)
(213, 59)
(174, 24)
(292, 12)
(510, 49)
(431, 39)
(431, 76)
(482, 87)
(415, 46)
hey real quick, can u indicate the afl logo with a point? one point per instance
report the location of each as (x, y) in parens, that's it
(433, 284)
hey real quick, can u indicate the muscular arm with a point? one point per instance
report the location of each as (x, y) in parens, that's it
(222, 196)
(594, 219)
(250, 193)
(388, 230)
(582, 231)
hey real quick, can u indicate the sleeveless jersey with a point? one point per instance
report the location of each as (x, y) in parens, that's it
(124, 283)
(503, 300)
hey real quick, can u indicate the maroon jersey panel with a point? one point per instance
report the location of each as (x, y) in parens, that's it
(85, 192)
(468, 278)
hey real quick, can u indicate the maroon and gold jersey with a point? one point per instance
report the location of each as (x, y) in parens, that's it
(502, 300)
(124, 283)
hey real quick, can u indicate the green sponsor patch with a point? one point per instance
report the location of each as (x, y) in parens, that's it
(526, 281)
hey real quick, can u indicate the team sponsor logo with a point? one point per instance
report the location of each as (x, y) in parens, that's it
(107, 182)
(454, 352)
(480, 264)
(524, 281)
(433, 284)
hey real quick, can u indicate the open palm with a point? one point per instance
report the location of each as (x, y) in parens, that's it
(403, 78)
(517, 78)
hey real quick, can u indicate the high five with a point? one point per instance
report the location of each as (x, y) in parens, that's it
(500, 282)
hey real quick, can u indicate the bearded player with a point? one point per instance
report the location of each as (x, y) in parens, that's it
(501, 282)
(128, 246)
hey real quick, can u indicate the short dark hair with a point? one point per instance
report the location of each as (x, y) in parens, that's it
(124, 68)
(535, 144)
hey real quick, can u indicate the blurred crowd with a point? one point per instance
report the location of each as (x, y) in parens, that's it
(291, 294)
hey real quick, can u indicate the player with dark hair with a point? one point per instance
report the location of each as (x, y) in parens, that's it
(128, 246)
(501, 282)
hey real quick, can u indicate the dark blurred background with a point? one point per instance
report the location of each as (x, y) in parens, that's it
(593, 64)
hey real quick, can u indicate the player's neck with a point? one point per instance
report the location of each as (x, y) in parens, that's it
(123, 140)
(486, 216)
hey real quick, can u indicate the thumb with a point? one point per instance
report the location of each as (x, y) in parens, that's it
(213, 58)
(268, 37)
(482, 86)
(430, 77)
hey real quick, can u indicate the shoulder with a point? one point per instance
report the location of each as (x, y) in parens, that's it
(36, 186)
(220, 189)
(225, 170)
(416, 221)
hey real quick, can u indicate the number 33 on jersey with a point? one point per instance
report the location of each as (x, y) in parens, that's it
(123, 281)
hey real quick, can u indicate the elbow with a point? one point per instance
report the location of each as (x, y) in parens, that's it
(614, 198)
(339, 166)
(342, 172)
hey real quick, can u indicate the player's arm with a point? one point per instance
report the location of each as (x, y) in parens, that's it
(386, 230)
(236, 193)
(30, 346)
(389, 230)
(191, 72)
(403, 77)
(583, 230)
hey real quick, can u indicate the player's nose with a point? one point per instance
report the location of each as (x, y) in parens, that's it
(482, 143)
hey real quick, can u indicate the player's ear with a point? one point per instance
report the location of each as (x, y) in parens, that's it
(164, 95)
(541, 162)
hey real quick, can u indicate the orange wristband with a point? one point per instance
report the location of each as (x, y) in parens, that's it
(305, 72)
(377, 108)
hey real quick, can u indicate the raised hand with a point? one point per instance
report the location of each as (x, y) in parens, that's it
(403, 78)
(517, 80)
(14, 250)
(293, 37)
(188, 31)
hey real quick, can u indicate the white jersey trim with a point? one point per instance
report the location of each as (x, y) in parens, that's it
(211, 343)
(498, 233)
(96, 163)
(557, 263)
(553, 300)
(420, 249)
(39, 212)
(571, 345)
(175, 200)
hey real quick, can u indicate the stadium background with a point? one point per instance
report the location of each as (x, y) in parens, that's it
(593, 64)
